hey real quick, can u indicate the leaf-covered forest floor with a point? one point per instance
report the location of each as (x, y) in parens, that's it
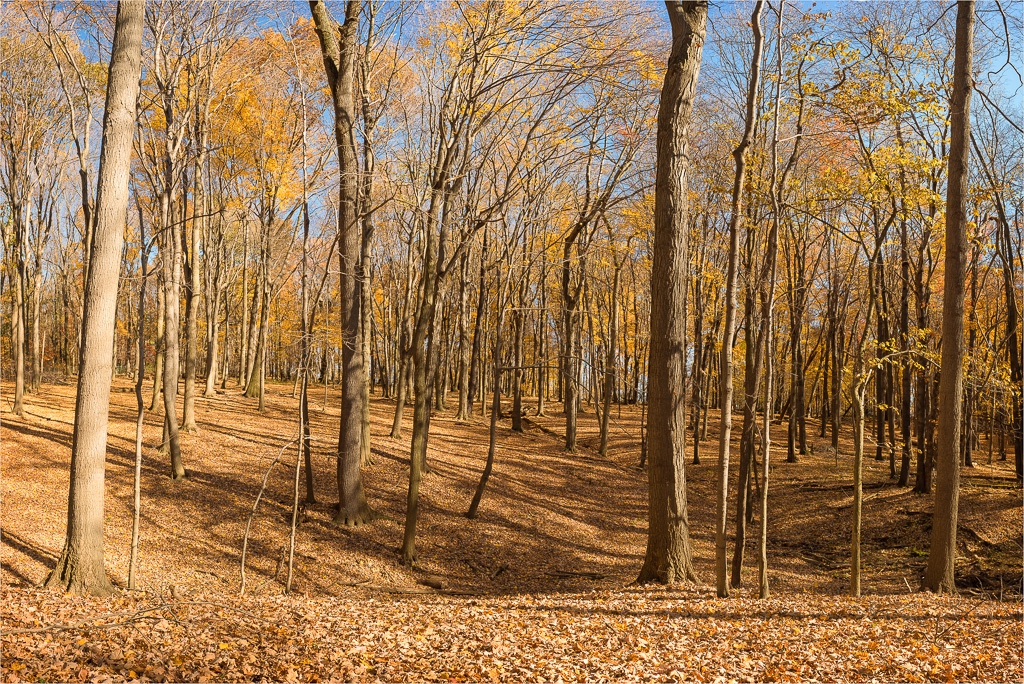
(537, 588)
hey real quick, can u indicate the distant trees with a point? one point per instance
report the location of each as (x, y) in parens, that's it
(510, 228)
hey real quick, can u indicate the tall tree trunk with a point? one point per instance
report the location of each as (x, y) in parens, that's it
(751, 385)
(942, 555)
(495, 410)
(244, 323)
(669, 558)
(517, 360)
(478, 332)
(213, 326)
(609, 370)
(191, 263)
(37, 337)
(158, 364)
(18, 324)
(172, 277)
(729, 334)
(464, 343)
(339, 65)
(542, 339)
(254, 386)
(906, 441)
(252, 330)
(79, 569)
(967, 438)
(570, 366)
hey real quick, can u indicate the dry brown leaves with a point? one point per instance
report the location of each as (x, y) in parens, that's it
(549, 561)
(628, 634)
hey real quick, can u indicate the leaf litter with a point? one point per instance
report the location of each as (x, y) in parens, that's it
(536, 589)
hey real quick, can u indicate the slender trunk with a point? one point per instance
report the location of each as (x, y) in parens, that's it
(751, 385)
(478, 332)
(542, 338)
(140, 413)
(464, 345)
(609, 370)
(172, 275)
(495, 410)
(939, 575)
(517, 360)
(158, 364)
(728, 334)
(18, 324)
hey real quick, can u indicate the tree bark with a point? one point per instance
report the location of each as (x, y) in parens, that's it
(609, 370)
(729, 334)
(939, 575)
(158, 364)
(339, 53)
(668, 557)
(79, 568)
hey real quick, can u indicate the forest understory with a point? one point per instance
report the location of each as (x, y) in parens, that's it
(538, 587)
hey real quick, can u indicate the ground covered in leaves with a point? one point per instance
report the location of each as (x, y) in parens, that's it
(536, 588)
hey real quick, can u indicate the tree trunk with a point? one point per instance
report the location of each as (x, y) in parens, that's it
(942, 555)
(339, 65)
(478, 332)
(542, 338)
(728, 335)
(668, 558)
(464, 344)
(495, 410)
(191, 263)
(158, 364)
(609, 370)
(906, 442)
(79, 568)
(858, 482)
(18, 324)
(570, 367)
(751, 385)
(517, 360)
(140, 411)
(172, 276)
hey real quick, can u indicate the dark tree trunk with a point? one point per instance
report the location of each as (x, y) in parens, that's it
(726, 390)
(668, 558)
(942, 555)
(339, 51)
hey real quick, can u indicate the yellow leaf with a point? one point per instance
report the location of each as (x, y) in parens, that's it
(224, 645)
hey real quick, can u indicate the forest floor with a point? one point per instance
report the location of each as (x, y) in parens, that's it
(536, 588)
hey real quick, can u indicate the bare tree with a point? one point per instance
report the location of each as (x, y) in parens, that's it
(339, 52)
(669, 558)
(728, 335)
(942, 555)
(79, 569)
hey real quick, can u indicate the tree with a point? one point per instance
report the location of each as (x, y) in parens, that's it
(339, 52)
(942, 554)
(728, 335)
(668, 558)
(79, 569)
